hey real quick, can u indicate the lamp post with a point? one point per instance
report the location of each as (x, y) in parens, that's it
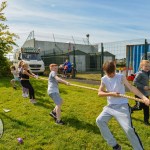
(87, 38)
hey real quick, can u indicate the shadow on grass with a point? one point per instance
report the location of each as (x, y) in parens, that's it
(136, 119)
(21, 123)
(81, 125)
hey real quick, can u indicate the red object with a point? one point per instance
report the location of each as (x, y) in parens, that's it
(131, 78)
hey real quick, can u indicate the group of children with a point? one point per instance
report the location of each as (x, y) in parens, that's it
(112, 84)
(22, 74)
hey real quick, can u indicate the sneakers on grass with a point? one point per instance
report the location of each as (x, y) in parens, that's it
(53, 114)
(117, 147)
(33, 101)
(60, 122)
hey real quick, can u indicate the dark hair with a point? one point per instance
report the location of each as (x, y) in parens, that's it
(109, 67)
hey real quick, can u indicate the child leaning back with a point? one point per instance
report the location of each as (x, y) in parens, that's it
(53, 92)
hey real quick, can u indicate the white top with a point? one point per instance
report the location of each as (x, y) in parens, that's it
(115, 84)
(52, 83)
(15, 73)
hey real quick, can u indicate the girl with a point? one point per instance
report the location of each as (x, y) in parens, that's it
(26, 83)
(25, 91)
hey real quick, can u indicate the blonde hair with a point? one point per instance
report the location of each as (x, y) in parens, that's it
(52, 65)
(20, 63)
(143, 62)
(24, 64)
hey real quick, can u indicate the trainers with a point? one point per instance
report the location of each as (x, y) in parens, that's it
(53, 114)
(60, 122)
(23, 95)
(117, 147)
(15, 88)
(147, 123)
(33, 101)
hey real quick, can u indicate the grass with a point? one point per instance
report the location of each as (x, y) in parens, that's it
(89, 76)
(39, 132)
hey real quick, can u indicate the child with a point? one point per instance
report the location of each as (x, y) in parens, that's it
(26, 83)
(53, 92)
(16, 76)
(141, 81)
(117, 106)
(25, 91)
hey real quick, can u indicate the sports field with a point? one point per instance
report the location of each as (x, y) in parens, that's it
(38, 130)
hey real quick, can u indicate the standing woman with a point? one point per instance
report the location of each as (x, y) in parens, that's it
(26, 83)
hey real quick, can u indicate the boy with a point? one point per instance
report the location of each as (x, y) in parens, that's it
(117, 107)
(141, 81)
(16, 76)
(53, 92)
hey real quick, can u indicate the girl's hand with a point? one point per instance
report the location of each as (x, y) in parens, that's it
(146, 88)
(146, 101)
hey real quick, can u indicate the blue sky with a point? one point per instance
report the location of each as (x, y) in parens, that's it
(103, 20)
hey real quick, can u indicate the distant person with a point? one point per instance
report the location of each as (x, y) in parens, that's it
(111, 85)
(67, 67)
(141, 81)
(16, 76)
(53, 92)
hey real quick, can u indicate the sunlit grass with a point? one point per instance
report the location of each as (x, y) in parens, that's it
(38, 130)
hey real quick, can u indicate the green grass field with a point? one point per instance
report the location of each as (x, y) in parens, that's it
(38, 130)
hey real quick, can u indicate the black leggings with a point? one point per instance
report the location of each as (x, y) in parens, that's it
(27, 84)
(145, 109)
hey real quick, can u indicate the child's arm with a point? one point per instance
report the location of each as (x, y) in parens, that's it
(103, 92)
(136, 91)
(61, 80)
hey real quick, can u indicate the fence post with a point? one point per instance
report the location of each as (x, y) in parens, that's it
(102, 59)
(146, 49)
(74, 63)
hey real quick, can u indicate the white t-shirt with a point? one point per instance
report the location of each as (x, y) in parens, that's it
(115, 84)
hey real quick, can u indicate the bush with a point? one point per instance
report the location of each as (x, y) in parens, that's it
(4, 67)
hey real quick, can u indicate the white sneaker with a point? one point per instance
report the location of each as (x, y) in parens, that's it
(33, 101)
(24, 95)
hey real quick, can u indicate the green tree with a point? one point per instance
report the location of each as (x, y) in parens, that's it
(7, 41)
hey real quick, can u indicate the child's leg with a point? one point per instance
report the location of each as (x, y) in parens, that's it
(146, 113)
(58, 112)
(101, 122)
(58, 101)
(123, 116)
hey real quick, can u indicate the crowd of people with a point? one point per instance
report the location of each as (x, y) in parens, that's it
(112, 84)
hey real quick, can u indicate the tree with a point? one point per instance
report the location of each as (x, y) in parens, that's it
(7, 41)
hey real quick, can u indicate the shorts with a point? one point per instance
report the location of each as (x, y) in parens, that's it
(16, 79)
(56, 98)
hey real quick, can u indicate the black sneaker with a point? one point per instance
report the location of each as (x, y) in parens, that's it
(147, 123)
(117, 147)
(15, 88)
(53, 114)
(60, 122)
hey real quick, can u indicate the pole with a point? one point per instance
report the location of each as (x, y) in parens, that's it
(146, 49)
(102, 59)
(74, 62)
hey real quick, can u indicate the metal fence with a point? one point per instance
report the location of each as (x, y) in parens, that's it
(87, 57)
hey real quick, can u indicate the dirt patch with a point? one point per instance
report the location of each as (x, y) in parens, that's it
(86, 81)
